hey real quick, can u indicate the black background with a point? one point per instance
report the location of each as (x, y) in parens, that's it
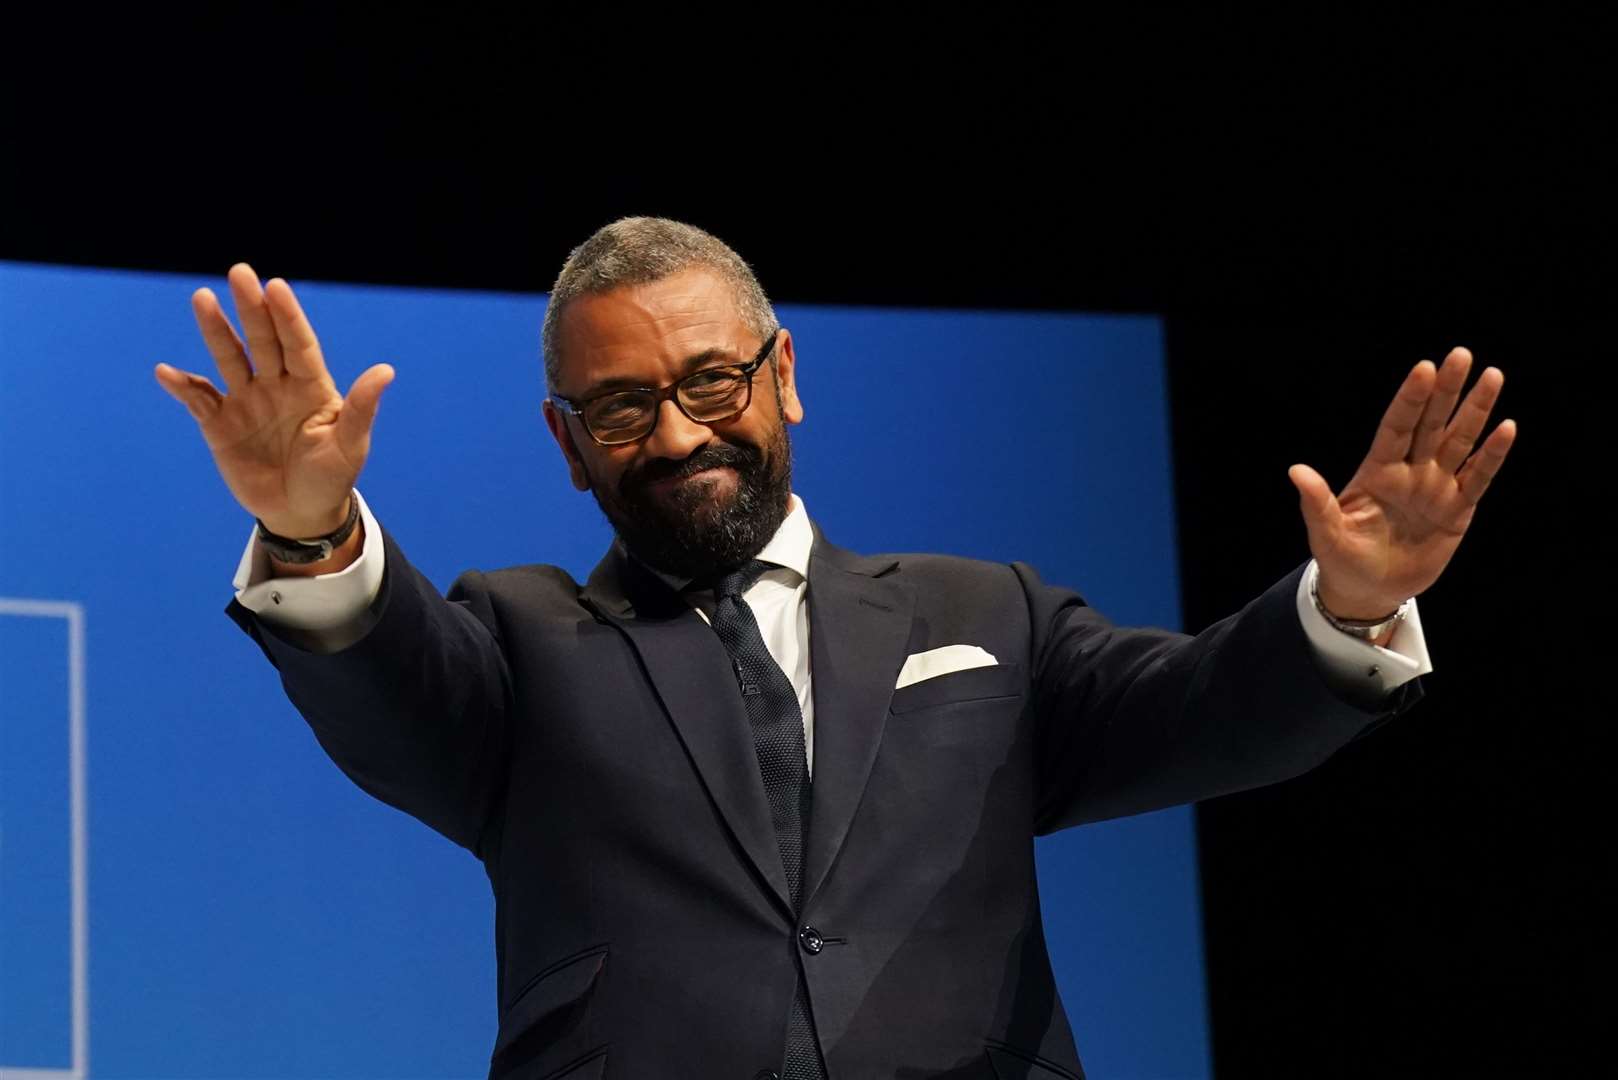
(1312, 212)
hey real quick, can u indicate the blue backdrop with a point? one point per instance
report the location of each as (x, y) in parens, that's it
(245, 911)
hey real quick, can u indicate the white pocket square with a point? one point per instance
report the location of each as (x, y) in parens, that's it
(942, 661)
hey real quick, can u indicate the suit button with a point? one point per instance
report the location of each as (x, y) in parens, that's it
(766, 1074)
(811, 940)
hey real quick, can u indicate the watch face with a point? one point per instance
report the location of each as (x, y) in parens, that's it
(296, 553)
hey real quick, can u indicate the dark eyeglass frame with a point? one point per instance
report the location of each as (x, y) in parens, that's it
(664, 393)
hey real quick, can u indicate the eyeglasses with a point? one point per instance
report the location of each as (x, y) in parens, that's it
(618, 417)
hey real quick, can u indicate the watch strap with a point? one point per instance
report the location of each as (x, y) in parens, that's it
(289, 550)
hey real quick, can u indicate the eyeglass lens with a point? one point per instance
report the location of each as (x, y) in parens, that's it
(705, 396)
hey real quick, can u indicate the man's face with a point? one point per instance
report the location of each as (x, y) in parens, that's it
(690, 499)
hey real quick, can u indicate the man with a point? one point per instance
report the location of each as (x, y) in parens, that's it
(752, 805)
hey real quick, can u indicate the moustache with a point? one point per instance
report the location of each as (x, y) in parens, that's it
(712, 456)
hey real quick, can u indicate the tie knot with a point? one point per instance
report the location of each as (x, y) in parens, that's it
(739, 580)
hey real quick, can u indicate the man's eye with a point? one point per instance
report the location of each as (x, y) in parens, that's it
(711, 383)
(618, 410)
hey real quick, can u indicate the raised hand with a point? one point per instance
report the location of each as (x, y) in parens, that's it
(287, 444)
(1391, 531)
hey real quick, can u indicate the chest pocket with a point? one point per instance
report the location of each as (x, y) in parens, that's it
(960, 688)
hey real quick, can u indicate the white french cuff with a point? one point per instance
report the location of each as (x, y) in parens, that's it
(1356, 663)
(321, 602)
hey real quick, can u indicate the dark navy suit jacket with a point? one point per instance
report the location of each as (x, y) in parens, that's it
(590, 746)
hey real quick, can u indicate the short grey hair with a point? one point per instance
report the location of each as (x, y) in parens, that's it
(637, 250)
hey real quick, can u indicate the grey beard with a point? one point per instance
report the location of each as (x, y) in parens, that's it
(696, 537)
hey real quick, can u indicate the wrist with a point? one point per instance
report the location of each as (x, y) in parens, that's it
(309, 528)
(1350, 607)
(1373, 621)
(342, 557)
(295, 549)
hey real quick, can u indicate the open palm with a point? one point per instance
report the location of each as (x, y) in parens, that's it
(286, 442)
(1391, 531)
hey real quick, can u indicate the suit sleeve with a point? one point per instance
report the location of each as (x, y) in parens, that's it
(416, 710)
(1130, 720)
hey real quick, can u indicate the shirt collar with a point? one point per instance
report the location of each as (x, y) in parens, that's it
(793, 541)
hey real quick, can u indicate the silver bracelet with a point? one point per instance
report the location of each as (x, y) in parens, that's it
(1364, 629)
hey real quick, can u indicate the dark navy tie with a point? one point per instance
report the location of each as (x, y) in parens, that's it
(777, 723)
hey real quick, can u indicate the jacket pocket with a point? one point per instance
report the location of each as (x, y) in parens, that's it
(973, 684)
(593, 1067)
(548, 1013)
(1012, 1064)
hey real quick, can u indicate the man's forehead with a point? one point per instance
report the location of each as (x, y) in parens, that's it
(636, 329)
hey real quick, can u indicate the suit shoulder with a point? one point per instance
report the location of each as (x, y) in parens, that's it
(982, 579)
(530, 583)
(930, 564)
(955, 577)
(923, 567)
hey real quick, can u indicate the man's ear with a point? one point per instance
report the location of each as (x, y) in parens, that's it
(564, 439)
(786, 378)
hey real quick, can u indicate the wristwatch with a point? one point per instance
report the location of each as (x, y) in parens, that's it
(288, 550)
(1364, 629)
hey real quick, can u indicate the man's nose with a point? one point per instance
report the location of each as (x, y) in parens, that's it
(676, 436)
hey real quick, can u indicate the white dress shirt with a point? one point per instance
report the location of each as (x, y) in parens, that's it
(328, 608)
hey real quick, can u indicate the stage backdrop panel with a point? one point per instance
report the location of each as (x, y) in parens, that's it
(250, 913)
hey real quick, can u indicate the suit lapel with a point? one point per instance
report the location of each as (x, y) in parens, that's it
(859, 626)
(692, 675)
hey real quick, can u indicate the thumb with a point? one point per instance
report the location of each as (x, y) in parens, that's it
(1315, 499)
(359, 411)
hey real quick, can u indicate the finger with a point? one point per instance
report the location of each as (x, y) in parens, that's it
(1393, 435)
(262, 344)
(1462, 433)
(199, 396)
(220, 337)
(354, 423)
(1481, 468)
(1435, 415)
(299, 348)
